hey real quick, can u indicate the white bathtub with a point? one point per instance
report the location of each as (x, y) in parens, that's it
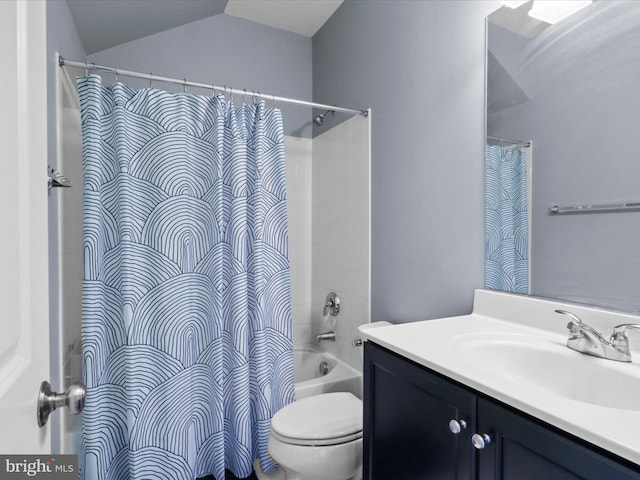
(311, 381)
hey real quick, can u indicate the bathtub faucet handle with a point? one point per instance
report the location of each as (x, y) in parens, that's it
(331, 305)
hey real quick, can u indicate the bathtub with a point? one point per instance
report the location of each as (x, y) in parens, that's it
(310, 366)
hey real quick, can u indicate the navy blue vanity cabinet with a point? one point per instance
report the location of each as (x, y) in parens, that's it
(522, 448)
(407, 415)
(408, 410)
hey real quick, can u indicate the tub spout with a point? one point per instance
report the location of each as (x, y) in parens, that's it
(326, 336)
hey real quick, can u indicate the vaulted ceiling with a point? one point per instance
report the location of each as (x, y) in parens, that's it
(104, 24)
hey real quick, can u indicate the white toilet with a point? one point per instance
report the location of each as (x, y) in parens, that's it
(319, 438)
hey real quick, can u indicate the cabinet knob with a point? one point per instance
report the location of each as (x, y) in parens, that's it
(456, 426)
(480, 441)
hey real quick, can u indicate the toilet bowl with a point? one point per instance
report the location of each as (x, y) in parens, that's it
(319, 438)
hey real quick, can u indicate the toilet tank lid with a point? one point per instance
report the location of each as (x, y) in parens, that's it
(325, 416)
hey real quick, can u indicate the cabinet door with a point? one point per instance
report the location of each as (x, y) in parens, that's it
(524, 449)
(407, 411)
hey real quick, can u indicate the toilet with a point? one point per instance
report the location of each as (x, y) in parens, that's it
(319, 438)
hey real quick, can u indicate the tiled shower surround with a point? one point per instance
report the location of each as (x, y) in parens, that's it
(328, 188)
(298, 158)
(340, 233)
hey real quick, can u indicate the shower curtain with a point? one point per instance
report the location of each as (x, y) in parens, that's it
(506, 220)
(187, 349)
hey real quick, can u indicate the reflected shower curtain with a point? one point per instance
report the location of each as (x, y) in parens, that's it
(506, 220)
(186, 293)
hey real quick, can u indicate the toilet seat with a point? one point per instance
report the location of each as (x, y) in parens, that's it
(323, 442)
(320, 420)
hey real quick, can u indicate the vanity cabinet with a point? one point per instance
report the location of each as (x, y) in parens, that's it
(408, 410)
(523, 448)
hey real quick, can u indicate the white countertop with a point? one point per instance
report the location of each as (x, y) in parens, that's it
(435, 344)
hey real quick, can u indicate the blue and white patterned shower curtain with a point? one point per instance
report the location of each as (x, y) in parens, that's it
(186, 294)
(506, 220)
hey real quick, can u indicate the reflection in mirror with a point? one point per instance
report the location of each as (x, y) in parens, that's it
(506, 215)
(573, 90)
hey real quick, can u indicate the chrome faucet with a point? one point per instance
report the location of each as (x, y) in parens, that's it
(326, 336)
(585, 339)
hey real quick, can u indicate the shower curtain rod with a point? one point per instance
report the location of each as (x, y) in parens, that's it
(186, 83)
(512, 143)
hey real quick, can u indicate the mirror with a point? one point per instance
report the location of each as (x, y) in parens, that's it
(573, 90)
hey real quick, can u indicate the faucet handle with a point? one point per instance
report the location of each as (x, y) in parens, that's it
(331, 305)
(619, 340)
(619, 337)
(575, 325)
(573, 316)
(624, 327)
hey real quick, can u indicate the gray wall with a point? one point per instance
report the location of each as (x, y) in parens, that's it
(580, 109)
(420, 66)
(229, 51)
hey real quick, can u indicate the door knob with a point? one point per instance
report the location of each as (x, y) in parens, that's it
(456, 426)
(48, 401)
(480, 441)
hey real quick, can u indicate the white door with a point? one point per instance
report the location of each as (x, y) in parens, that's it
(24, 322)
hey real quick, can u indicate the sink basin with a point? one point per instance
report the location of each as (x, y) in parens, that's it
(550, 366)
